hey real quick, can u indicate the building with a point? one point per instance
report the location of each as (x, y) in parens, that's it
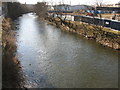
(62, 7)
(80, 7)
(65, 7)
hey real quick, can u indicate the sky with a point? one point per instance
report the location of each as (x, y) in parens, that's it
(73, 2)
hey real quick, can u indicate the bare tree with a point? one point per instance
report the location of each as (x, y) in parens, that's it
(41, 9)
(99, 3)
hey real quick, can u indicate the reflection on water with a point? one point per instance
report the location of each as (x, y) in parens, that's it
(52, 58)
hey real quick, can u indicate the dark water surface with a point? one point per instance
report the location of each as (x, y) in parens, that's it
(52, 58)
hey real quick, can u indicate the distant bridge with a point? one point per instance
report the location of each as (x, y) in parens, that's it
(15, 9)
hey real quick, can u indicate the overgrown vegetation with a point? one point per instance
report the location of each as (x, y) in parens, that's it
(11, 76)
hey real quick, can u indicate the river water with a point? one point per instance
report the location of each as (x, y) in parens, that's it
(52, 58)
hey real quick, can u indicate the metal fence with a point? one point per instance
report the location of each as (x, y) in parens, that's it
(97, 21)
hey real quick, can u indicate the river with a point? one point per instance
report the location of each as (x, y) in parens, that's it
(53, 58)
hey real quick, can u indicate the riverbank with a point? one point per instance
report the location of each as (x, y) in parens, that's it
(10, 64)
(104, 36)
(50, 57)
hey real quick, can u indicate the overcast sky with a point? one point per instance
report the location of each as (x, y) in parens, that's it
(73, 2)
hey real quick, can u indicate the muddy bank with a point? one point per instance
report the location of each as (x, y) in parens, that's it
(11, 73)
(99, 34)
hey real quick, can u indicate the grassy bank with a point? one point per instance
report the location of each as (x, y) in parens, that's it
(10, 65)
(104, 36)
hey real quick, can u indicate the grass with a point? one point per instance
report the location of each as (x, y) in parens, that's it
(112, 31)
(8, 40)
(93, 26)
